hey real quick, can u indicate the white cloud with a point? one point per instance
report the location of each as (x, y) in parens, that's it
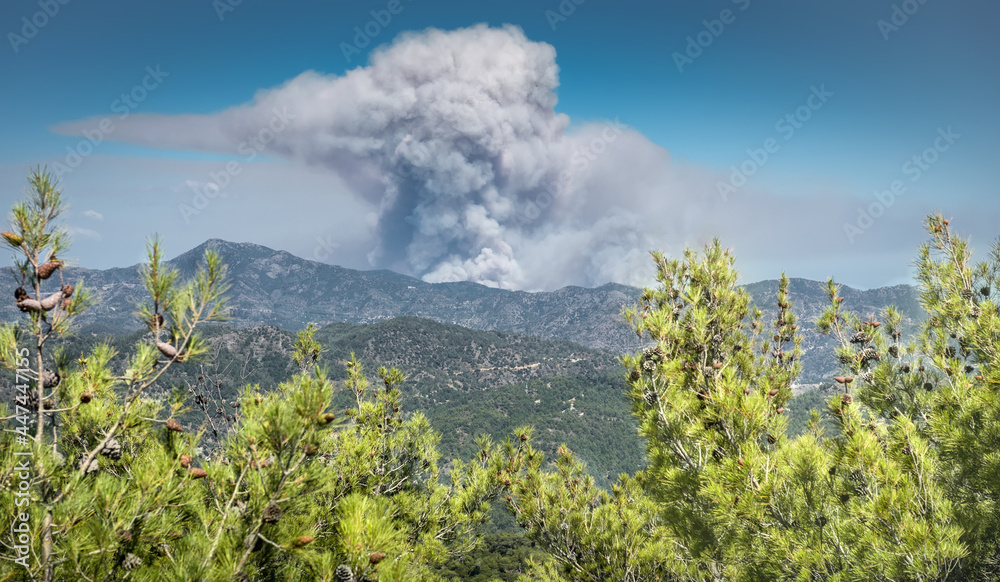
(79, 232)
(93, 214)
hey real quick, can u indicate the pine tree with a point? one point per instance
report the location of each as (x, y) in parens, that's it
(122, 487)
(941, 387)
(91, 482)
(730, 495)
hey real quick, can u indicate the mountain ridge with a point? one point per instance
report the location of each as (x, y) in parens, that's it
(275, 287)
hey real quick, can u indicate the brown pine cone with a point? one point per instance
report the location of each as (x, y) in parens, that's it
(272, 513)
(45, 270)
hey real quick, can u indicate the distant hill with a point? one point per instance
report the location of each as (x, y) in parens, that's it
(279, 289)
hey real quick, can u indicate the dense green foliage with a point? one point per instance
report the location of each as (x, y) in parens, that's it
(902, 486)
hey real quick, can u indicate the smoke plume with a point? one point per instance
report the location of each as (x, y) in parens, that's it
(455, 139)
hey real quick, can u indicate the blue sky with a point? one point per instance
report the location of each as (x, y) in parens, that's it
(893, 90)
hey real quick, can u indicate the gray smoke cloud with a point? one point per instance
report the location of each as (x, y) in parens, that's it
(454, 138)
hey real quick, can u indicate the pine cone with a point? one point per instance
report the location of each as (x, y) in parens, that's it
(376, 558)
(197, 473)
(845, 358)
(343, 573)
(112, 449)
(67, 290)
(868, 377)
(50, 302)
(50, 379)
(167, 349)
(131, 562)
(868, 354)
(20, 294)
(45, 271)
(846, 399)
(28, 304)
(14, 239)
(650, 397)
(174, 425)
(894, 351)
(272, 513)
(859, 338)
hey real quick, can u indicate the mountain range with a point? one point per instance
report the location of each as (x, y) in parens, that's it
(276, 288)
